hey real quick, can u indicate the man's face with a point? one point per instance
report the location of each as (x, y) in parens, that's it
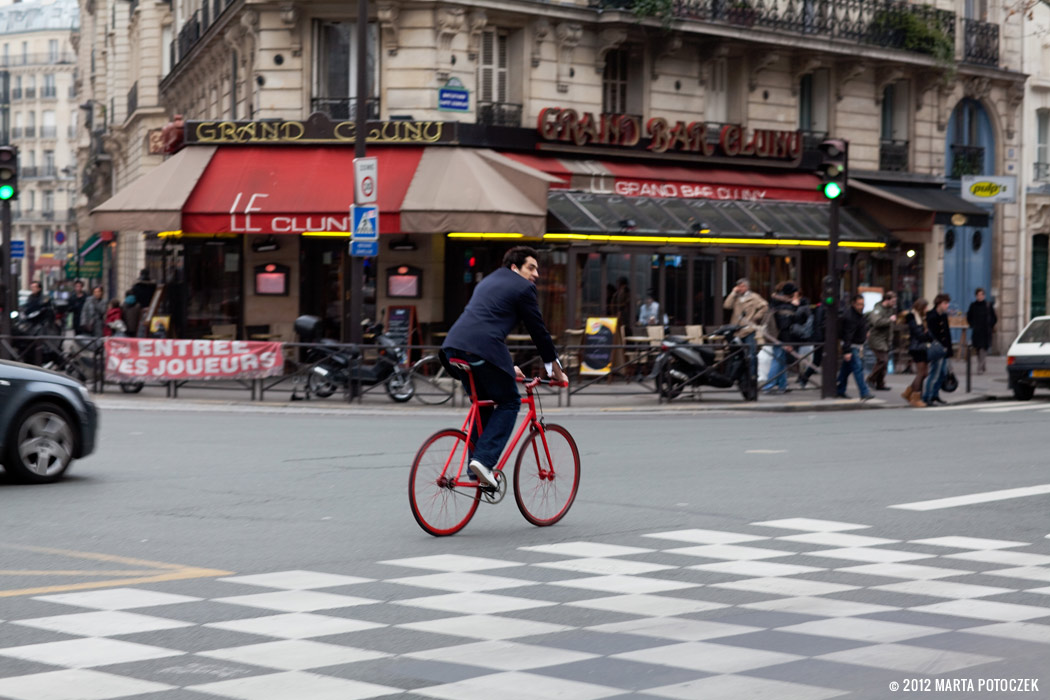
(858, 305)
(34, 287)
(889, 303)
(980, 296)
(942, 308)
(97, 292)
(530, 270)
(78, 287)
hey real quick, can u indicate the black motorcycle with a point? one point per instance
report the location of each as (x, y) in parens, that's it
(336, 366)
(680, 365)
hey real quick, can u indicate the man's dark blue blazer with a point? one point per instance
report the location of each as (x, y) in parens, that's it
(500, 302)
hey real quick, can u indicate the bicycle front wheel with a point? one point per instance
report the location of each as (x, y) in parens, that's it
(434, 385)
(547, 475)
(438, 504)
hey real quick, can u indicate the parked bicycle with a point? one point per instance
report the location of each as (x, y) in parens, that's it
(444, 498)
(433, 383)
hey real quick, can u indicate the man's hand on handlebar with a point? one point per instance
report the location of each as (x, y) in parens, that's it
(518, 373)
(558, 374)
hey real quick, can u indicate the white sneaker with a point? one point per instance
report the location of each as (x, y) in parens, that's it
(483, 472)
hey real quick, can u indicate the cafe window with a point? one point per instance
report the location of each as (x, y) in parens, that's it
(212, 270)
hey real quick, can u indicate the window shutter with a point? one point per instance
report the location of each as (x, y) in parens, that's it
(487, 66)
(501, 69)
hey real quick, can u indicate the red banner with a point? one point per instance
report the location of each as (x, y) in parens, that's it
(163, 359)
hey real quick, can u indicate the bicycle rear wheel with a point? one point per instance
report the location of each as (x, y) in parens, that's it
(434, 385)
(438, 505)
(547, 475)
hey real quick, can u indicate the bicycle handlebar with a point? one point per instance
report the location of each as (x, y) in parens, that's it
(531, 383)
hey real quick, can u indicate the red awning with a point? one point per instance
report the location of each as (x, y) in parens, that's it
(673, 181)
(292, 189)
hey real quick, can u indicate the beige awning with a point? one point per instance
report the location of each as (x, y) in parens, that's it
(475, 190)
(154, 201)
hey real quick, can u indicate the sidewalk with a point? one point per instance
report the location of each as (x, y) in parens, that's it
(599, 397)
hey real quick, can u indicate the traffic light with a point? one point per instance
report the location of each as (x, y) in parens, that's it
(8, 173)
(830, 292)
(834, 157)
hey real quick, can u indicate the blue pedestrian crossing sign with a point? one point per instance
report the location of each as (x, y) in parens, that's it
(365, 240)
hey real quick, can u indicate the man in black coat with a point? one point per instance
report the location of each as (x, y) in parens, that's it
(500, 302)
(940, 330)
(854, 331)
(982, 319)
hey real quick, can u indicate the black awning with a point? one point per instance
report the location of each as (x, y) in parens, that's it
(942, 203)
(763, 221)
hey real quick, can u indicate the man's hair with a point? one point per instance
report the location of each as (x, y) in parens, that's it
(744, 281)
(939, 298)
(854, 298)
(979, 290)
(516, 256)
(889, 296)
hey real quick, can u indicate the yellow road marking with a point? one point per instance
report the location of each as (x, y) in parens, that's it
(146, 571)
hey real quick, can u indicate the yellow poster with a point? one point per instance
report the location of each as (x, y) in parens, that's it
(598, 341)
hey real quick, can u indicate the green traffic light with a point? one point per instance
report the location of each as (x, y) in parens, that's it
(830, 301)
(832, 190)
(6, 192)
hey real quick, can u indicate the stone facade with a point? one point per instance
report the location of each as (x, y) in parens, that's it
(261, 60)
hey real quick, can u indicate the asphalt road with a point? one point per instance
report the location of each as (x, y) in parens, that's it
(206, 495)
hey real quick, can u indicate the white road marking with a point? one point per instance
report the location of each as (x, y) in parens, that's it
(975, 498)
(764, 452)
(1029, 406)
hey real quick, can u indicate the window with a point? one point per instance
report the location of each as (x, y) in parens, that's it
(716, 108)
(895, 112)
(492, 68)
(166, 38)
(614, 82)
(25, 52)
(48, 204)
(1042, 144)
(335, 68)
(52, 50)
(813, 102)
(49, 89)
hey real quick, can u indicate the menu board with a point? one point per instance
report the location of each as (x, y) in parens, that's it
(401, 324)
(598, 341)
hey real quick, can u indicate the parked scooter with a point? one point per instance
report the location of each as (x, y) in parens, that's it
(680, 365)
(336, 366)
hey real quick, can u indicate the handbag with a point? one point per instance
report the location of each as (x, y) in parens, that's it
(935, 351)
(951, 382)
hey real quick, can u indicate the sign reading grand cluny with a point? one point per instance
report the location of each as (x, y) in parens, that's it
(661, 136)
(317, 129)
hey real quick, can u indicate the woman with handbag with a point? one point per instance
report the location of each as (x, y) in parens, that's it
(938, 358)
(918, 340)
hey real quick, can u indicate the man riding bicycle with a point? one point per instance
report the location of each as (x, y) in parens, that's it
(500, 302)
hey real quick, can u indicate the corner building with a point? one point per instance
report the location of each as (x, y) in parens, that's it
(674, 151)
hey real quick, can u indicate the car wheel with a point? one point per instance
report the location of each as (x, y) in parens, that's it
(40, 445)
(1023, 391)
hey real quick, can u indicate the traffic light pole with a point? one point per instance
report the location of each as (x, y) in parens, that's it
(5, 274)
(830, 362)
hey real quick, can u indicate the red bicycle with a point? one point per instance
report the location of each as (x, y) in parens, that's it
(546, 472)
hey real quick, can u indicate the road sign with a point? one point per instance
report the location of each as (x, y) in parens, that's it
(453, 97)
(364, 249)
(60, 237)
(366, 178)
(366, 223)
(18, 249)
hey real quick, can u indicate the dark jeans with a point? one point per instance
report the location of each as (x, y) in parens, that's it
(854, 366)
(492, 384)
(877, 377)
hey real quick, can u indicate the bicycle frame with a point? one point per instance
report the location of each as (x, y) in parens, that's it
(532, 421)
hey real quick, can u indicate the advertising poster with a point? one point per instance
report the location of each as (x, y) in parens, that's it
(163, 359)
(598, 340)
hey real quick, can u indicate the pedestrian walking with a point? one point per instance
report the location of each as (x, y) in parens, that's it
(93, 313)
(982, 319)
(919, 340)
(881, 320)
(76, 305)
(749, 312)
(788, 317)
(940, 331)
(854, 330)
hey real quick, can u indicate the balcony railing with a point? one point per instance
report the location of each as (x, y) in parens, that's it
(48, 132)
(343, 108)
(16, 132)
(917, 28)
(195, 28)
(28, 171)
(967, 160)
(499, 114)
(981, 43)
(38, 59)
(31, 93)
(893, 156)
(189, 35)
(133, 98)
(16, 93)
(48, 215)
(1042, 171)
(812, 139)
(30, 132)
(49, 92)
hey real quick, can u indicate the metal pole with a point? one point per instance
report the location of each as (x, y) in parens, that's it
(5, 272)
(829, 364)
(360, 137)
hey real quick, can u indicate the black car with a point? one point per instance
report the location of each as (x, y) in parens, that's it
(46, 421)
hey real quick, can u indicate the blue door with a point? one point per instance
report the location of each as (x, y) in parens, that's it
(967, 265)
